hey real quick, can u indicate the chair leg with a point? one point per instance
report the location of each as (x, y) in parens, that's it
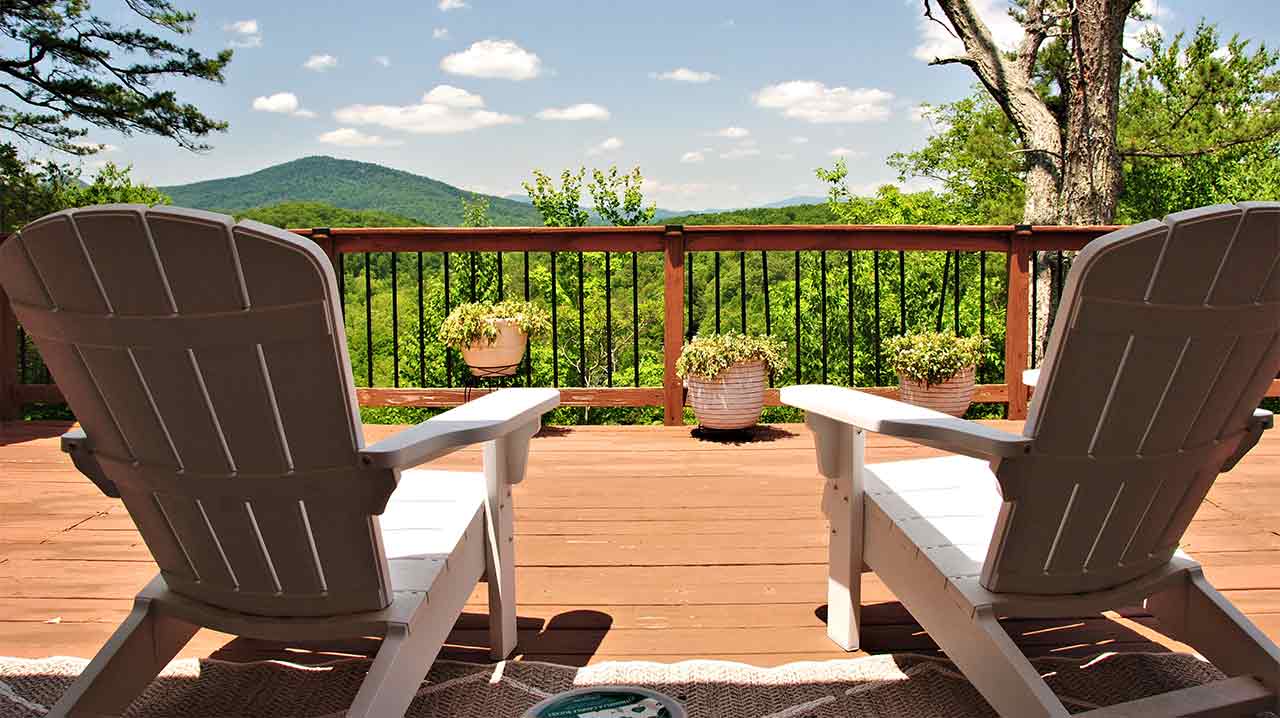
(1195, 613)
(134, 655)
(840, 450)
(398, 670)
(500, 561)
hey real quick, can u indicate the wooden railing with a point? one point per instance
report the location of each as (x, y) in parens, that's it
(675, 243)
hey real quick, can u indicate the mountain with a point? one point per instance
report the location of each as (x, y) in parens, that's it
(793, 201)
(349, 185)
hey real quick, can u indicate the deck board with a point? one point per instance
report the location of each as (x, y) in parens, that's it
(632, 543)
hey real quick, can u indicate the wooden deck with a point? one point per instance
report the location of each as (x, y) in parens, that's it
(633, 543)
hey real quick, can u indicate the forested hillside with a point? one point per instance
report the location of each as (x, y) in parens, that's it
(349, 185)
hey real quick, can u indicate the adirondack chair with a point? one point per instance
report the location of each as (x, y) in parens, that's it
(1167, 338)
(206, 361)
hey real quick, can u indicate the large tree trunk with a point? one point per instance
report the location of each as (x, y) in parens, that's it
(1091, 170)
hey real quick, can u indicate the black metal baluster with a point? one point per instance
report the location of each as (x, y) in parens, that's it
(528, 354)
(422, 340)
(955, 296)
(395, 321)
(582, 329)
(608, 319)
(448, 355)
(368, 321)
(875, 260)
(982, 293)
(764, 280)
(942, 294)
(797, 334)
(471, 259)
(689, 329)
(717, 273)
(902, 294)
(849, 267)
(555, 330)
(502, 294)
(342, 283)
(635, 319)
(1035, 301)
(742, 288)
(22, 356)
(822, 281)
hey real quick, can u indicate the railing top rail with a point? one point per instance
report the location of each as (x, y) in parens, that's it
(997, 238)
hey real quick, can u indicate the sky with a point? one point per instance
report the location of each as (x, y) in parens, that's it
(721, 103)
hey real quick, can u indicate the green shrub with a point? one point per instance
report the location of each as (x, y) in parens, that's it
(933, 357)
(706, 356)
(471, 323)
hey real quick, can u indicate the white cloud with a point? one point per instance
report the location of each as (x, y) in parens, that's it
(693, 157)
(684, 74)
(938, 41)
(786, 156)
(738, 153)
(920, 114)
(845, 152)
(1137, 31)
(609, 145)
(732, 132)
(444, 110)
(320, 63)
(350, 137)
(382, 60)
(1222, 53)
(440, 33)
(447, 5)
(813, 101)
(283, 103)
(248, 33)
(494, 59)
(581, 111)
(655, 187)
(798, 140)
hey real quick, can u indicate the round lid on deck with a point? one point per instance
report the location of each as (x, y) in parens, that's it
(608, 702)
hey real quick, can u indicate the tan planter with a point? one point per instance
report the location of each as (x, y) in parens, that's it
(732, 400)
(502, 357)
(949, 397)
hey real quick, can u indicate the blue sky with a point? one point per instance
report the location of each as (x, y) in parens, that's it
(721, 104)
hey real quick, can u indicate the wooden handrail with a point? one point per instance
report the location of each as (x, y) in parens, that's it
(1017, 242)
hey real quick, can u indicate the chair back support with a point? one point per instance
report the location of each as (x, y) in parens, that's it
(207, 363)
(1166, 340)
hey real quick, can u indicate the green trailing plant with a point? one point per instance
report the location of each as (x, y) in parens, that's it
(933, 357)
(707, 356)
(477, 322)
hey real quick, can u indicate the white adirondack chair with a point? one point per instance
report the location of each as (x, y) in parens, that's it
(207, 363)
(1168, 337)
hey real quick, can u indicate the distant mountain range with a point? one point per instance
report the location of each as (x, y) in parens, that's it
(348, 184)
(662, 214)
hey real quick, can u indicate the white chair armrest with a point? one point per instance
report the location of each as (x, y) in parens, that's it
(894, 418)
(76, 444)
(490, 417)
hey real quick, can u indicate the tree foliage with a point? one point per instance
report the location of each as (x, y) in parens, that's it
(66, 65)
(559, 206)
(619, 199)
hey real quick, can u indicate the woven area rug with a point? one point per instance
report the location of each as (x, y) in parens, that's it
(907, 685)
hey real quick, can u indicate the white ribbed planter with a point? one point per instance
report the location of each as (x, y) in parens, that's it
(949, 397)
(502, 357)
(733, 400)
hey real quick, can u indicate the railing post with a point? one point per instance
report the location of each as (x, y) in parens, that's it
(1017, 334)
(9, 407)
(672, 324)
(324, 237)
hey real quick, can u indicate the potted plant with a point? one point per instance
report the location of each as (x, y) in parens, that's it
(726, 376)
(492, 337)
(936, 370)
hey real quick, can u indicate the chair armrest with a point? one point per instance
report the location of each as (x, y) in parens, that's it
(895, 418)
(76, 444)
(490, 417)
(1261, 421)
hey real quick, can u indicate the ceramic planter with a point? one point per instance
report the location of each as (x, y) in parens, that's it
(949, 397)
(502, 357)
(733, 400)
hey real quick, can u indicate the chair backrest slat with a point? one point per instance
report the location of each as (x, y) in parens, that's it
(207, 362)
(1166, 340)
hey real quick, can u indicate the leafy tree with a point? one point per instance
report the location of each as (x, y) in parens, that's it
(475, 211)
(292, 215)
(618, 198)
(559, 206)
(67, 66)
(112, 185)
(29, 190)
